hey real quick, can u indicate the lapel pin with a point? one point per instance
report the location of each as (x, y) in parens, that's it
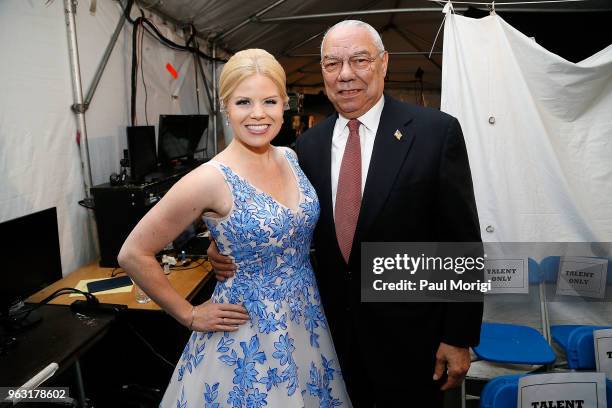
(398, 135)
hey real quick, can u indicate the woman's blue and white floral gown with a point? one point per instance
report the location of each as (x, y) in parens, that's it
(284, 356)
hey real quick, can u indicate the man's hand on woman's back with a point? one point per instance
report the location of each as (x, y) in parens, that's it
(223, 265)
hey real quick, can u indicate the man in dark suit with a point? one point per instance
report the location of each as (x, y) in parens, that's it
(386, 171)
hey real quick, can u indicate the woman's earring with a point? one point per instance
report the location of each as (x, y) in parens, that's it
(286, 106)
(227, 120)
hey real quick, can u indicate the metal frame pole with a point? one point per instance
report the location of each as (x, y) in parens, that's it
(415, 10)
(254, 17)
(400, 53)
(78, 108)
(351, 13)
(411, 42)
(104, 61)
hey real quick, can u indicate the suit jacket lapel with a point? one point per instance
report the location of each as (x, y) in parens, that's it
(387, 158)
(325, 198)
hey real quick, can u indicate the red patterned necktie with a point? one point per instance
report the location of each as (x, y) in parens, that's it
(348, 194)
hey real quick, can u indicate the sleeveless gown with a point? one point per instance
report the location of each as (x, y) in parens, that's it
(283, 357)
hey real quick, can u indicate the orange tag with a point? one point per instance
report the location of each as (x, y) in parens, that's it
(171, 70)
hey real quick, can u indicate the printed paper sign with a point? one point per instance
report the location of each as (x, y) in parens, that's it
(603, 351)
(562, 390)
(507, 275)
(579, 276)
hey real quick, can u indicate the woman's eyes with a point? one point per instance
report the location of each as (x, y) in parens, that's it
(246, 102)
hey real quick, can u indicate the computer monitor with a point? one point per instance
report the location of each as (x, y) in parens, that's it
(33, 259)
(179, 136)
(141, 147)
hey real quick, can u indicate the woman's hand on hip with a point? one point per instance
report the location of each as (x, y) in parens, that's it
(226, 317)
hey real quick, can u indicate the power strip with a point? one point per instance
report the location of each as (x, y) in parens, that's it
(84, 307)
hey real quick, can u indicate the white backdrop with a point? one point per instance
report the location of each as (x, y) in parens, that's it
(543, 170)
(39, 159)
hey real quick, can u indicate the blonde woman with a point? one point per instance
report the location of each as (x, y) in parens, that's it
(262, 340)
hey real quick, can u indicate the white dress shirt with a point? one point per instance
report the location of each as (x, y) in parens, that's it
(367, 134)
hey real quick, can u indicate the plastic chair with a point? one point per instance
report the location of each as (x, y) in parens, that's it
(513, 344)
(501, 392)
(516, 344)
(575, 340)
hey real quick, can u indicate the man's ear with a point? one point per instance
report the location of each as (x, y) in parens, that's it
(385, 61)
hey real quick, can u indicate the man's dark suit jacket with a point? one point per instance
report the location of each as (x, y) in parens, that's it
(418, 189)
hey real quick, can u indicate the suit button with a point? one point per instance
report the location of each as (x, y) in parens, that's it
(490, 229)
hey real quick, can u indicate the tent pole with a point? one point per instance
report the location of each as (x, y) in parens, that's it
(406, 53)
(415, 10)
(104, 61)
(254, 17)
(411, 42)
(214, 96)
(351, 13)
(70, 7)
(306, 41)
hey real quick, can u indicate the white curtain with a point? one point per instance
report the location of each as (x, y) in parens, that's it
(538, 131)
(39, 159)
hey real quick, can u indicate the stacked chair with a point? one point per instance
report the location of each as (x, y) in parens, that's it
(513, 344)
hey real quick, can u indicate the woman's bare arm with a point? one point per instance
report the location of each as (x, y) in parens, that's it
(201, 190)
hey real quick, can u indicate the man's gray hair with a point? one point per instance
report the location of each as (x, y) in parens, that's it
(356, 23)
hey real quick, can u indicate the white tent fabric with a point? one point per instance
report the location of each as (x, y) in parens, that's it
(39, 159)
(543, 170)
(538, 131)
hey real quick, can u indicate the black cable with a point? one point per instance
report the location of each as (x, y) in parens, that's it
(63, 291)
(180, 268)
(134, 70)
(144, 85)
(149, 346)
(191, 35)
(147, 25)
(160, 37)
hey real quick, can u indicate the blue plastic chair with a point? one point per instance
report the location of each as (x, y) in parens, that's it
(575, 340)
(513, 344)
(502, 392)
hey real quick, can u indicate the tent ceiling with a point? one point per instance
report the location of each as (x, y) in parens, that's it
(288, 40)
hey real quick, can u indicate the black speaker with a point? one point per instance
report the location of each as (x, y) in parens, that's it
(119, 208)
